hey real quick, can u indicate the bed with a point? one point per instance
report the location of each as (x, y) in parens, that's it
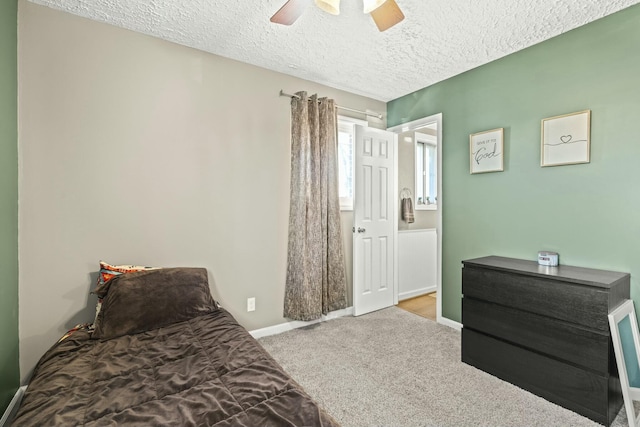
(162, 352)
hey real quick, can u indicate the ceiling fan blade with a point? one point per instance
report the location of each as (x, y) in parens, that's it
(387, 15)
(290, 11)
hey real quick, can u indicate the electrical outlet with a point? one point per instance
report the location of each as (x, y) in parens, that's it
(251, 304)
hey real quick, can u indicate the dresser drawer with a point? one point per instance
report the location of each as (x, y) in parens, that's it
(562, 340)
(584, 305)
(579, 390)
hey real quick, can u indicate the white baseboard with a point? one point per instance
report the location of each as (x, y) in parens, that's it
(11, 410)
(416, 292)
(450, 323)
(289, 326)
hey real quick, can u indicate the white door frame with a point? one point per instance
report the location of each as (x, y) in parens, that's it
(411, 126)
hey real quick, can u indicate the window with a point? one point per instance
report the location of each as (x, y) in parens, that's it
(346, 136)
(426, 171)
(346, 159)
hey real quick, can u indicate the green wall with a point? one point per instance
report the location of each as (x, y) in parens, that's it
(589, 213)
(9, 370)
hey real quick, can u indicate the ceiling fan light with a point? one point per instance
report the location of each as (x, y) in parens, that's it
(371, 5)
(330, 6)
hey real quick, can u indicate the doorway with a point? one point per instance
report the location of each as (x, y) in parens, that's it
(415, 174)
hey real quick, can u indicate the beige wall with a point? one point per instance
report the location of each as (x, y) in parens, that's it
(406, 179)
(136, 150)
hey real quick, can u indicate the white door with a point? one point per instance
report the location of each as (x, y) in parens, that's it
(374, 220)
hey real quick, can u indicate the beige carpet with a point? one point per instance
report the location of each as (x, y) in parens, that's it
(393, 368)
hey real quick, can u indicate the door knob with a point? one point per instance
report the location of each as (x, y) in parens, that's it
(361, 230)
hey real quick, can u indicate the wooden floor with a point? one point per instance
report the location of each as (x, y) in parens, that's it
(423, 305)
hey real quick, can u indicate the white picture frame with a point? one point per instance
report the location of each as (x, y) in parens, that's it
(566, 139)
(486, 151)
(625, 337)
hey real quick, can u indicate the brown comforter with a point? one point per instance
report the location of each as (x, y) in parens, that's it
(207, 371)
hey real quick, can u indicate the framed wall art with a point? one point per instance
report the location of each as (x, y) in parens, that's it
(486, 151)
(566, 139)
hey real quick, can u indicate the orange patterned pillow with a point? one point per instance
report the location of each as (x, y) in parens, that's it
(108, 271)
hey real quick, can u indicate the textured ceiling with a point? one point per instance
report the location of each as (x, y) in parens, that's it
(437, 40)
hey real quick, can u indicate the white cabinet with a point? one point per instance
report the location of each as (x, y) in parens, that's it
(417, 257)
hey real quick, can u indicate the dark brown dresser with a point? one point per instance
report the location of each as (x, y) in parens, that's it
(545, 329)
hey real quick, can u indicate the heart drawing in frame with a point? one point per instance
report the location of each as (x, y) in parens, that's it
(566, 139)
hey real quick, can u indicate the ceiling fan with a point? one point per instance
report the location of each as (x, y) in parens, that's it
(385, 13)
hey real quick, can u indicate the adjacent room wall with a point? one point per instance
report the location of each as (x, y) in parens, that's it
(9, 371)
(136, 150)
(588, 213)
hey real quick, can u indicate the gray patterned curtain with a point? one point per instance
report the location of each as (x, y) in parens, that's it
(316, 280)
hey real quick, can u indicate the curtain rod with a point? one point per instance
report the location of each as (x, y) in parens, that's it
(366, 113)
